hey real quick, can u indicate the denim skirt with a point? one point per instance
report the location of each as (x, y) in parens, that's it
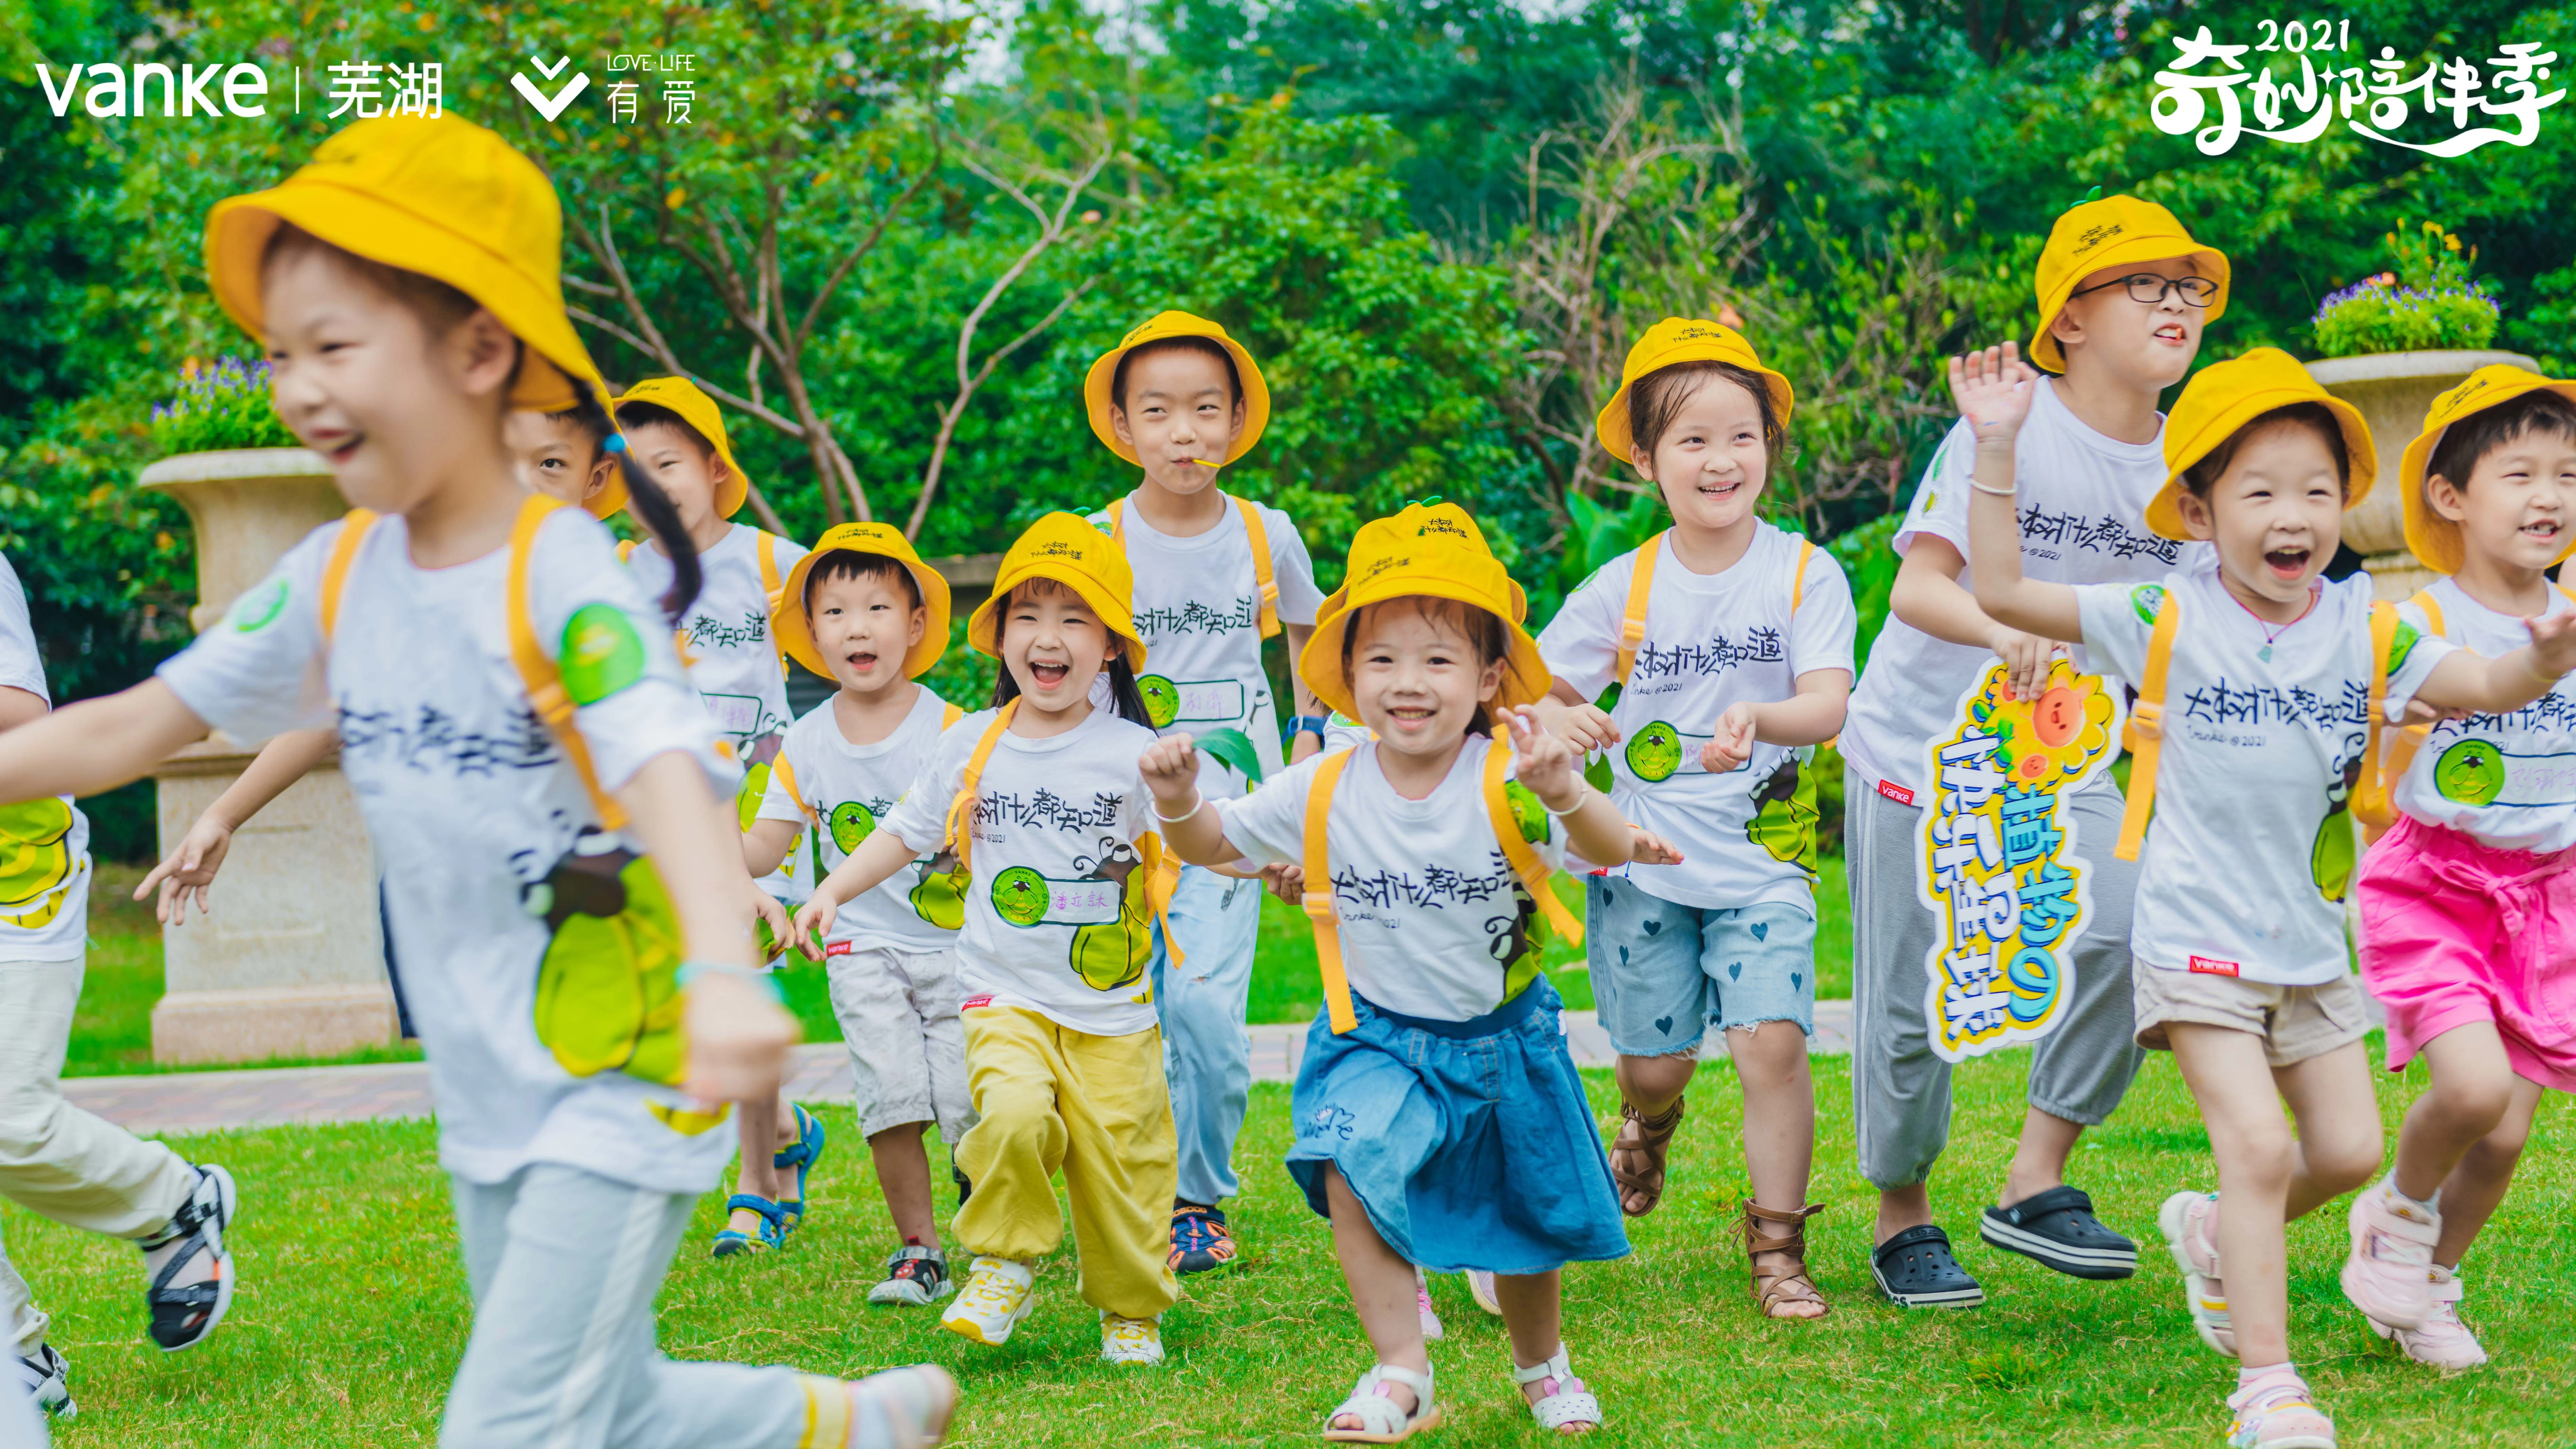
(1469, 1142)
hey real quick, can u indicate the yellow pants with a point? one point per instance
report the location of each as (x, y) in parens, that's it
(1048, 1098)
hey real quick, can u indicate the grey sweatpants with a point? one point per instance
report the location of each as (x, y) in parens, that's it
(564, 1266)
(1900, 1086)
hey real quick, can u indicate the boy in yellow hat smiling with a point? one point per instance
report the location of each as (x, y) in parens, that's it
(1440, 1122)
(1037, 802)
(1215, 575)
(2123, 292)
(2261, 690)
(864, 609)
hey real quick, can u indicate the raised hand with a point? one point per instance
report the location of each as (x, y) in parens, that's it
(1731, 743)
(1171, 770)
(1993, 389)
(2553, 643)
(1542, 760)
(2026, 659)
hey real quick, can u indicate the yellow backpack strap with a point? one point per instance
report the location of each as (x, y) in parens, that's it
(2369, 802)
(625, 549)
(543, 680)
(335, 570)
(2147, 730)
(1117, 525)
(1632, 625)
(1162, 881)
(959, 838)
(786, 775)
(1798, 580)
(1319, 893)
(950, 714)
(776, 591)
(2410, 738)
(1261, 565)
(1524, 861)
(2553, 583)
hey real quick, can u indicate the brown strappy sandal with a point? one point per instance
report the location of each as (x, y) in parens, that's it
(1773, 1288)
(1653, 1140)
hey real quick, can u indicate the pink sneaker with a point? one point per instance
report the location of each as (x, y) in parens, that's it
(1432, 1329)
(2388, 1275)
(2189, 1221)
(2442, 1340)
(2273, 1412)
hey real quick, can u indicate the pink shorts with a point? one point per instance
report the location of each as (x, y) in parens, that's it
(2454, 932)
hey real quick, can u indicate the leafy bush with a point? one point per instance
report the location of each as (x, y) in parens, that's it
(221, 404)
(2427, 301)
(1869, 562)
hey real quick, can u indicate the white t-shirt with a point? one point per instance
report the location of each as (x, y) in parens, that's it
(470, 801)
(2509, 780)
(850, 788)
(1198, 609)
(1056, 823)
(44, 844)
(1433, 919)
(1711, 640)
(2083, 521)
(2251, 845)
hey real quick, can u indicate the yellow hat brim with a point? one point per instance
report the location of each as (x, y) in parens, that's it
(1612, 426)
(2164, 511)
(983, 627)
(237, 235)
(2213, 264)
(1526, 679)
(1256, 392)
(795, 627)
(611, 497)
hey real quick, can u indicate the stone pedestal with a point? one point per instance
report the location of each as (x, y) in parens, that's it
(291, 962)
(2392, 391)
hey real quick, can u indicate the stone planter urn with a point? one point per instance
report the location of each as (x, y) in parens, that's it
(2392, 390)
(291, 961)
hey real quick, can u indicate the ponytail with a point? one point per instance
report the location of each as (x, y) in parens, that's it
(650, 504)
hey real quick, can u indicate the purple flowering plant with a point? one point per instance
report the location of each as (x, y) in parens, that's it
(221, 403)
(2426, 301)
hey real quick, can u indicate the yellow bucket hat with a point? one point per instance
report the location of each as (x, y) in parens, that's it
(1683, 339)
(796, 629)
(2430, 536)
(1166, 325)
(2222, 398)
(444, 198)
(700, 412)
(2116, 231)
(1432, 550)
(1065, 548)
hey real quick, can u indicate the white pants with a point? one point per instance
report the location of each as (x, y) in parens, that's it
(72, 1166)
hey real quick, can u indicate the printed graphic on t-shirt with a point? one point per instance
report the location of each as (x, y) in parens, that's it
(37, 867)
(2052, 535)
(1046, 810)
(1510, 912)
(2477, 772)
(601, 653)
(1717, 654)
(707, 632)
(1185, 701)
(1114, 937)
(434, 742)
(1785, 814)
(1196, 617)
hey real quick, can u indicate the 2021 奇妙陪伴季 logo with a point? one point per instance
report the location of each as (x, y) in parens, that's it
(2332, 83)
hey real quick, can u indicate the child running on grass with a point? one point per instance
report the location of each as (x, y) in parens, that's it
(1439, 1119)
(2261, 688)
(1038, 802)
(1215, 575)
(2124, 292)
(516, 728)
(2465, 903)
(1732, 643)
(740, 673)
(863, 609)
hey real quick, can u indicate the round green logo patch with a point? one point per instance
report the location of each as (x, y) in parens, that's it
(601, 653)
(260, 607)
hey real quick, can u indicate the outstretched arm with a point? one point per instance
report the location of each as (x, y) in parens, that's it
(1928, 596)
(1545, 763)
(190, 869)
(1190, 829)
(2466, 681)
(871, 865)
(96, 744)
(1994, 390)
(1810, 717)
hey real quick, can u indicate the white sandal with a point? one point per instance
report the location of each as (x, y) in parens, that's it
(1567, 1406)
(1381, 1422)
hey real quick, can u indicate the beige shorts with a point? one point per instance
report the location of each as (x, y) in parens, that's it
(2295, 1022)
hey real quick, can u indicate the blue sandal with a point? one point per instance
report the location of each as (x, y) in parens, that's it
(807, 1151)
(771, 1229)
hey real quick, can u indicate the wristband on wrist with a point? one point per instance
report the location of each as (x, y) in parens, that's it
(1975, 483)
(691, 970)
(1198, 802)
(1582, 797)
(1307, 724)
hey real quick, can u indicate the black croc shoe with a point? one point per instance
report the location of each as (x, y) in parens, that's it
(183, 1314)
(2058, 1228)
(1915, 1269)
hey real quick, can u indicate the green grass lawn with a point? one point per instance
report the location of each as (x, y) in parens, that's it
(351, 1314)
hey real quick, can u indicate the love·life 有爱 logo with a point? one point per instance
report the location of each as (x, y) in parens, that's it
(551, 106)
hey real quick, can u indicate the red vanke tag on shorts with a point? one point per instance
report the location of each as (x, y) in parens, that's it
(837, 948)
(975, 1001)
(1896, 792)
(2206, 966)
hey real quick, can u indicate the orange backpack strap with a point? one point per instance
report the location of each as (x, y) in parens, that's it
(949, 714)
(335, 570)
(1319, 893)
(786, 775)
(1117, 524)
(2410, 738)
(1261, 575)
(1632, 624)
(1516, 849)
(544, 682)
(625, 549)
(959, 838)
(2370, 803)
(1798, 580)
(2147, 730)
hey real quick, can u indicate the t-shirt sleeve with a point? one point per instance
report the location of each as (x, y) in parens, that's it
(2412, 654)
(1822, 631)
(920, 818)
(258, 673)
(1940, 506)
(1581, 644)
(2117, 620)
(21, 666)
(777, 802)
(1268, 826)
(608, 640)
(1290, 568)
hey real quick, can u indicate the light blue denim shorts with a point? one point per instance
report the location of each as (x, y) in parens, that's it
(1664, 974)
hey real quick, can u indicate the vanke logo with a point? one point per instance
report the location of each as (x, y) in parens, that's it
(552, 106)
(114, 91)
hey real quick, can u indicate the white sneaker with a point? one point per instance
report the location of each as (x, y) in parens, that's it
(1480, 1286)
(47, 1379)
(998, 1294)
(2442, 1340)
(1130, 1340)
(1432, 1329)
